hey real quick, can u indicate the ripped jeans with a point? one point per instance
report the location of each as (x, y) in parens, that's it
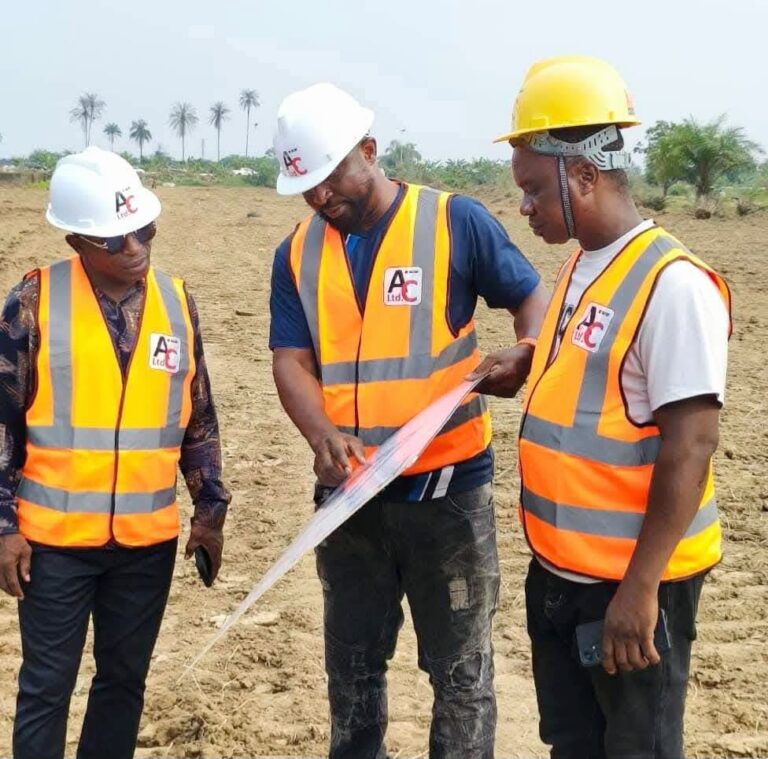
(442, 555)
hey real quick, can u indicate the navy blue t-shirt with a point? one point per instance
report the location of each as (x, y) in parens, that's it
(484, 262)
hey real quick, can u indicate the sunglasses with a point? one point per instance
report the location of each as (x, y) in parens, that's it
(114, 245)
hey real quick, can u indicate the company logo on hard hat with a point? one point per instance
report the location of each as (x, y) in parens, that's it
(124, 203)
(292, 163)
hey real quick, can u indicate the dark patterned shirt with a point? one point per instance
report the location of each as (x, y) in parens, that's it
(200, 452)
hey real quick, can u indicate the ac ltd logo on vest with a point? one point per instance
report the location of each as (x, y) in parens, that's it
(402, 286)
(164, 352)
(590, 331)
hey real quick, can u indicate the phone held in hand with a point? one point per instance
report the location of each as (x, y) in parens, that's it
(589, 640)
(204, 566)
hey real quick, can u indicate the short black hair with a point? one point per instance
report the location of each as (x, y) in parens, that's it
(578, 134)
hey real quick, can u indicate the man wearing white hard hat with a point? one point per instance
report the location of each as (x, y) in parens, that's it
(372, 307)
(103, 393)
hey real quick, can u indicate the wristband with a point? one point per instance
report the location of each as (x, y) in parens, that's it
(527, 341)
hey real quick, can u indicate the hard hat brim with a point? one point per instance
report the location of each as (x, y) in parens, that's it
(522, 132)
(297, 185)
(149, 209)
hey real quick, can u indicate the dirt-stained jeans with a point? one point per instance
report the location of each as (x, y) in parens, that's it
(442, 555)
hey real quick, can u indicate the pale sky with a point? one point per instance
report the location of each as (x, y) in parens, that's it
(446, 72)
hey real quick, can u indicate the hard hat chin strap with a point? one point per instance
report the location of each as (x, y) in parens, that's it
(565, 197)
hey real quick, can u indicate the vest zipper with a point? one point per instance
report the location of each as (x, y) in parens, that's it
(361, 304)
(357, 384)
(124, 378)
(550, 360)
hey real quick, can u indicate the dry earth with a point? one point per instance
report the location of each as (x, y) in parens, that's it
(263, 690)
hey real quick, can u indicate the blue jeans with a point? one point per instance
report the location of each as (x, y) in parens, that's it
(442, 555)
(586, 713)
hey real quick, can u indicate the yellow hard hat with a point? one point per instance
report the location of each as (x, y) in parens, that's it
(570, 91)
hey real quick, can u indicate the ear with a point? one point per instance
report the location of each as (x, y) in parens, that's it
(369, 150)
(75, 243)
(584, 175)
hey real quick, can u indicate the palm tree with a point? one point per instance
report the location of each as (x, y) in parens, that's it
(400, 154)
(112, 130)
(248, 99)
(96, 107)
(701, 154)
(88, 109)
(219, 114)
(183, 119)
(80, 113)
(140, 133)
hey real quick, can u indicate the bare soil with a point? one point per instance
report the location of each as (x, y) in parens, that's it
(262, 691)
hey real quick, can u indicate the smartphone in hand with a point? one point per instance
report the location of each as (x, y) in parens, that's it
(204, 566)
(589, 640)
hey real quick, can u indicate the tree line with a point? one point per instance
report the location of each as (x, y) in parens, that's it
(183, 119)
(701, 155)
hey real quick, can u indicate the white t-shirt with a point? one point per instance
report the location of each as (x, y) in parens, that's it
(681, 350)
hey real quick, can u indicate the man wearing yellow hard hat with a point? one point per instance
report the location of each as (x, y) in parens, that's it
(619, 427)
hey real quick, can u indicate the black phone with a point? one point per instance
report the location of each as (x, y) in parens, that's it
(589, 640)
(204, 566)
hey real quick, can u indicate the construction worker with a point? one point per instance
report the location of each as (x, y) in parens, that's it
(619, 427)
(103, 391)
(372, 319)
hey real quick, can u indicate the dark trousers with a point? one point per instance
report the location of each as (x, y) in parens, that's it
(442, 555)
(586, 713)
(126, 591)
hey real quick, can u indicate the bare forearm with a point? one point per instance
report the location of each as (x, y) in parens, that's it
(302, 398)
(530, 314)
(678, 481)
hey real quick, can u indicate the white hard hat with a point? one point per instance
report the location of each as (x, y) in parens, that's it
(316, 129)
(98, 193)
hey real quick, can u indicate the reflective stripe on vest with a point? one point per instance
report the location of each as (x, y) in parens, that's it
(104, 461)
(575, 458)
(63, 434)
(360, 376)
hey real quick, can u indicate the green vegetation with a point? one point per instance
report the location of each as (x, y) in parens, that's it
(703, 168)
(712, 162)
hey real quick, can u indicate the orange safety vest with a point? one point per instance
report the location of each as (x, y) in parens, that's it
(384, 361)
(102, 449)
(585, 466)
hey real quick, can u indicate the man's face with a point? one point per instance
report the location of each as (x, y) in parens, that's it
(125, 268)
(343, 199)
(536, 175)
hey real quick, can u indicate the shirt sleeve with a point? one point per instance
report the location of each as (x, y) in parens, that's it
(16, 353)
(201, 450)
(288, 325)
(683, 340)
(484, 262)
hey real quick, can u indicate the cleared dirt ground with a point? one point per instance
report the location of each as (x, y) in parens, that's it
(263, 690)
